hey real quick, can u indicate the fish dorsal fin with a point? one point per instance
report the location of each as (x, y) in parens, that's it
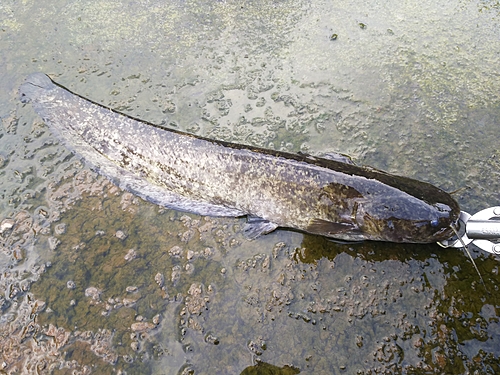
(335, 156)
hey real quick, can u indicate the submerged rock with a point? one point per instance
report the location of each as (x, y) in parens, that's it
(93, 293)
(60, 229)
(142, 326)
(70, 284)
(131, 254)
(121, 235)
(160, 279)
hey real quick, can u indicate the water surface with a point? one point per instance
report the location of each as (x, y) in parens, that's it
(95, 280)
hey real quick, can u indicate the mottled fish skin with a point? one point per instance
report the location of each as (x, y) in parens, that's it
(209, 177)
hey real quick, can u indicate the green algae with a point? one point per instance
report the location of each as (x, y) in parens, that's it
(90, 255)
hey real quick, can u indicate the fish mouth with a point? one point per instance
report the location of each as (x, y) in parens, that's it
(443, 234)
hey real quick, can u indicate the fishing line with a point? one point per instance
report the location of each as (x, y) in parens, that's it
(470, 256)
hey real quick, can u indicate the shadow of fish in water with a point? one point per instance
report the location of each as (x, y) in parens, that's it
(325, 196)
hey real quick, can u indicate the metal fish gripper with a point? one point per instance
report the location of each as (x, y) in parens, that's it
(481, 229)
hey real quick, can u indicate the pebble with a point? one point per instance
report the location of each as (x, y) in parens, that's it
(131, 289)
(6, 225)
(127, 302)
(175, 251)
(53, 243)
(132, 254)
(121, 235)
(208, 252)
(93, 292)
(60, 229)
(142, 326)
(156, 319)
(160, 279)
(70, 284)
(189, 268)
(212, 339)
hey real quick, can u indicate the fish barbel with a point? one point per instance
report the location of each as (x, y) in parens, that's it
(272, 188)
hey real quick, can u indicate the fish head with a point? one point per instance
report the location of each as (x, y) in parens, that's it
(385, 208)
(402, 209)
(408, 219)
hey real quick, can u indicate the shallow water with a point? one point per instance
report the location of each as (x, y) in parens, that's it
(95, 280)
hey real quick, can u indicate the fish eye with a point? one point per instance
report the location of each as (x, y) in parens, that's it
(434, 223)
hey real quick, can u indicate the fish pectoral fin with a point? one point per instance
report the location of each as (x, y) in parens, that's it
(256, 226)
(321, 226)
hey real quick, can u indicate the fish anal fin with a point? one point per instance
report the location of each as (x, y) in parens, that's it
(256, 226)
